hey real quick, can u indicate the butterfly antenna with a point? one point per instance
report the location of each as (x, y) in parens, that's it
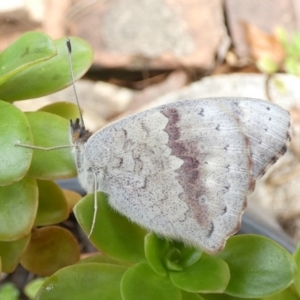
(68, 42)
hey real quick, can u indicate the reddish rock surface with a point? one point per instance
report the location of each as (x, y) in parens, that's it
(159, 34)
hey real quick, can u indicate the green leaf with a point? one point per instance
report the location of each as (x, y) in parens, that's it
(33, 287)
(84, 281)
(297, 277)
(50, 249)
(9, 291)
(287, 294)
(224, 297)
(208, 275)
(155, 251)
(51, 131)
(65, 110)
(29, 49)
(14, 128)
(18, 208)
(114, 235)
(53, 207)
(50, 75)
(258, 266)
(190, 296)
(11, 253)
(141, 282)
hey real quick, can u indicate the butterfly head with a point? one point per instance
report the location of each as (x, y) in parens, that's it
(78, 132)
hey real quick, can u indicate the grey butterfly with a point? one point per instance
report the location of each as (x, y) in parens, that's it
(184, 170)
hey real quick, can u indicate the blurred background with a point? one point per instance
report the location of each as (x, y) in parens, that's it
(148, 53)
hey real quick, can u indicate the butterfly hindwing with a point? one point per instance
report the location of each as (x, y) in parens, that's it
(184, 170)
(266, 125)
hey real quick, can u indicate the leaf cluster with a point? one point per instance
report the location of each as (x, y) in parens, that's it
(133, 263)
(33, 66)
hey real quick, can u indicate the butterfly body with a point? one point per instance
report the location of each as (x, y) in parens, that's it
(184, 170)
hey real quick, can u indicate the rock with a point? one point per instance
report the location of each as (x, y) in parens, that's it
(142, 34)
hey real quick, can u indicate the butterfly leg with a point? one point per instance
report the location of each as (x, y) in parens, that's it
(95, 205)
(43, 148)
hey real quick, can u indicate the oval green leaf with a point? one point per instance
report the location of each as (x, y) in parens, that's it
(18, 208)
(114, 235)
(141, 281)
(11, 253)
(14, 129)
(82, 282)
(50, 249)
(51, 75)
(258, 266)
(53, 207)
(29, 49)
(8, 291)
(50, 130)
(66, 110)
(208, 275)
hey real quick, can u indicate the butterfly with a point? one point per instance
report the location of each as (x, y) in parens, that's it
(184, 170)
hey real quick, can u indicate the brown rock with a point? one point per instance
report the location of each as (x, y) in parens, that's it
(151, 34)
